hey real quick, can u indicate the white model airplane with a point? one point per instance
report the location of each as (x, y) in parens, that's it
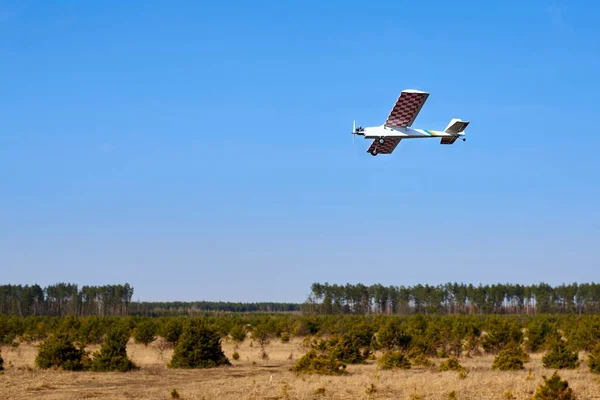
(398, 125)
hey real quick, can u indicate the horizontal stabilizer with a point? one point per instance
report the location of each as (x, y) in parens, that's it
(456, 126)
(448, 140)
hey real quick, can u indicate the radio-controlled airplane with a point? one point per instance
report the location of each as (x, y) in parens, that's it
(398, 125)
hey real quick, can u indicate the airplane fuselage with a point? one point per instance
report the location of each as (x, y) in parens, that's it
(405, 133)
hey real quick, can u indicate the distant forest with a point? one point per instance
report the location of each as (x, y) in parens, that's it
(454, 298)
(358, 299)
(111, 300)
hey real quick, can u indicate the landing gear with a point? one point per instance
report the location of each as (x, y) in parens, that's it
(374, 152)
(381, 140)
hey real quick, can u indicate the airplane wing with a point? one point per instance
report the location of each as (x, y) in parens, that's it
(407, 108)
(386, 148)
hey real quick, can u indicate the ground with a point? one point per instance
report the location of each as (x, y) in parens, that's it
(251, 377)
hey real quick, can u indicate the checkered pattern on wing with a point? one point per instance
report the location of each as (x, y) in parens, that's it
(386, 148)
(406, 109)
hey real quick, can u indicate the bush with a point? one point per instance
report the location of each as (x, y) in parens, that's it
(144, 332)
(421, 360)
(315, 362)
(354, 347)
(262, 335)
(392, 336)
(393, 360)
(593, 360)
(451, 364)
(171, 331)
(113, 353)
(1, 362)
(541, 333)
(58, 351)
(560, 356)
(501, 332)
(199, 347)
(238, 333)
(285, 337)
(90, 331)
(345, 349)
(235, 355)
(511, 358)
(554, 389)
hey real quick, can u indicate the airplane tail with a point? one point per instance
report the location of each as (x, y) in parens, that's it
(456, 125)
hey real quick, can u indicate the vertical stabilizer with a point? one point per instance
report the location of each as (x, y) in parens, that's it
(456, 125)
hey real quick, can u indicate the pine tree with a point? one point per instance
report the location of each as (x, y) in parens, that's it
(113, 353)
(393, 360)
(59, 351)
(198, 347)
(144, 332)
(554, 388)
(594, 359)
(511, 358)
(560, 356)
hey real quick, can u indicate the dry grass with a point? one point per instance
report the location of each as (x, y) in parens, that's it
(251, 377)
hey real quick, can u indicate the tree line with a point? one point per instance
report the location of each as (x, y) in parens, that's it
(181, 308)
(112, 300)
(65, 299)
(358, 299)
(454, 298)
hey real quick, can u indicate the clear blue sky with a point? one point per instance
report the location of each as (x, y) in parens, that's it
(202, 151)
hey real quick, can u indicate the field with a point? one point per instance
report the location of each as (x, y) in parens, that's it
(251, 377)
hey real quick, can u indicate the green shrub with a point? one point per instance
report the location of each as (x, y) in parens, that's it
(315, 362)
(345, 349)
(511, 358)
(199, 347)
(421, 360)
(354, 347)
(285, 337)
(175, 394)
(451, 364)
(554, 388)
(144, 332)
(113, 353)
(594, 359)
(171, 331)
(58, 351)
(1, 362)
(235, 355)
(393, 360)
(392, 336)
(262, 335)
(500, 332)
(540, 334)
(560, 356)
(238, 333)
(90, 331)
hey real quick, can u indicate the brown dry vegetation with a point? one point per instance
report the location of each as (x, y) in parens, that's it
(251, 377)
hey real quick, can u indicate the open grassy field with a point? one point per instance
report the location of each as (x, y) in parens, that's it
(252, 377)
